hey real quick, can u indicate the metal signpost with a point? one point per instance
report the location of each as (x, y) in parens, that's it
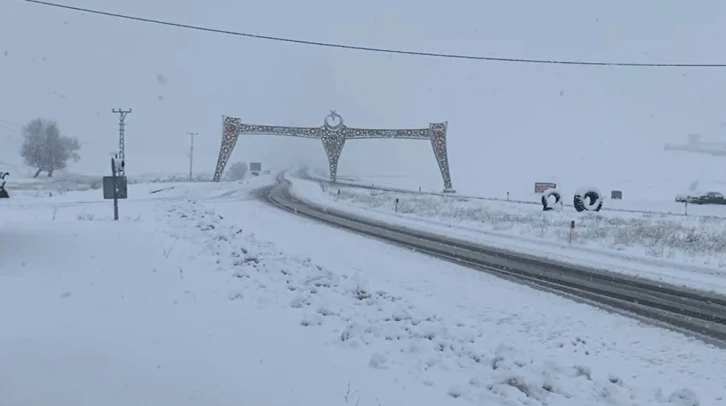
(115, 186)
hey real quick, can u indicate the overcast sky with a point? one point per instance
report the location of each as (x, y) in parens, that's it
(509, 124)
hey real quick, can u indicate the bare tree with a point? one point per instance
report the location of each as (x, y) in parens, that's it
(45, 149)
(238, 171)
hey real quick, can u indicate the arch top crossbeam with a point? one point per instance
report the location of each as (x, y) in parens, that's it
(413, 134)
(305, 132)
(333, 134)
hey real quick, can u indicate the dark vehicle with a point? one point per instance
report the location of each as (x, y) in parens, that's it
(3, 192)
(702, 198)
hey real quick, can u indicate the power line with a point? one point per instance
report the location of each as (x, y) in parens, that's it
(7, 128)
(8, 123)
(382, 50)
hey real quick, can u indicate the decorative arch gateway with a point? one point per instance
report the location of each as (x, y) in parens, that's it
(334, 133)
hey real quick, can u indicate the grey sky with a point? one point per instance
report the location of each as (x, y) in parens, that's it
(536, 121)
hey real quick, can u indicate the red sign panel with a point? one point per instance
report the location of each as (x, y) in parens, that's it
(540, 187)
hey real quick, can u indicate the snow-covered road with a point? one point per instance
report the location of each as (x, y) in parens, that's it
(204, 295)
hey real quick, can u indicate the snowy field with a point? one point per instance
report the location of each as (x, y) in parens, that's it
(202, 294)
(677, 249)
(649, 205)
(21, 183)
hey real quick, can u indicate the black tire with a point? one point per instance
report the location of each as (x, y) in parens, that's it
(585, 201)
(545, 199)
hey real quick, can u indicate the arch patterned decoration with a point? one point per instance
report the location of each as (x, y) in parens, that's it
(334, 134)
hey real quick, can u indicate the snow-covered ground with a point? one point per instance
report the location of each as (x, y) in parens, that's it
(202, 294)
(21, 182)
(402, 184)
(682, 250)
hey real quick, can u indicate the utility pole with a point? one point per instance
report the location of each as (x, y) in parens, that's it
(191, 154)
(121, 142)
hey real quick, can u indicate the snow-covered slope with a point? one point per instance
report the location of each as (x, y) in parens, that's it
(202, 294)
(509, 124)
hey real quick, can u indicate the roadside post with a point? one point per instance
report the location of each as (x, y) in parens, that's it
(115, 187)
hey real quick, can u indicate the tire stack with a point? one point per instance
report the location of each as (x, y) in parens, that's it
(589, 199)
(546, 199)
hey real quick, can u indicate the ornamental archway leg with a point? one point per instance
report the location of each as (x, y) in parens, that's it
(333, 142)
(230, 133)
(438, 142)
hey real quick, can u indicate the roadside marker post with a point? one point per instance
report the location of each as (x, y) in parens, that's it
(115, 187)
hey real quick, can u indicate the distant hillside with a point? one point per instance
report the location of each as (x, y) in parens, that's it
(10, 160)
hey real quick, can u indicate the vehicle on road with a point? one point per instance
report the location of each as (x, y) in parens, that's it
(702, 198)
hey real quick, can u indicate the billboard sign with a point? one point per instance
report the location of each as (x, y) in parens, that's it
(540, 187)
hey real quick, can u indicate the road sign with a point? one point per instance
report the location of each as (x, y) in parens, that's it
(540, 187)
(121, 187)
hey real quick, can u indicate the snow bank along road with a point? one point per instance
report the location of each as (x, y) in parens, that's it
(203, 295)
(702, 313)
